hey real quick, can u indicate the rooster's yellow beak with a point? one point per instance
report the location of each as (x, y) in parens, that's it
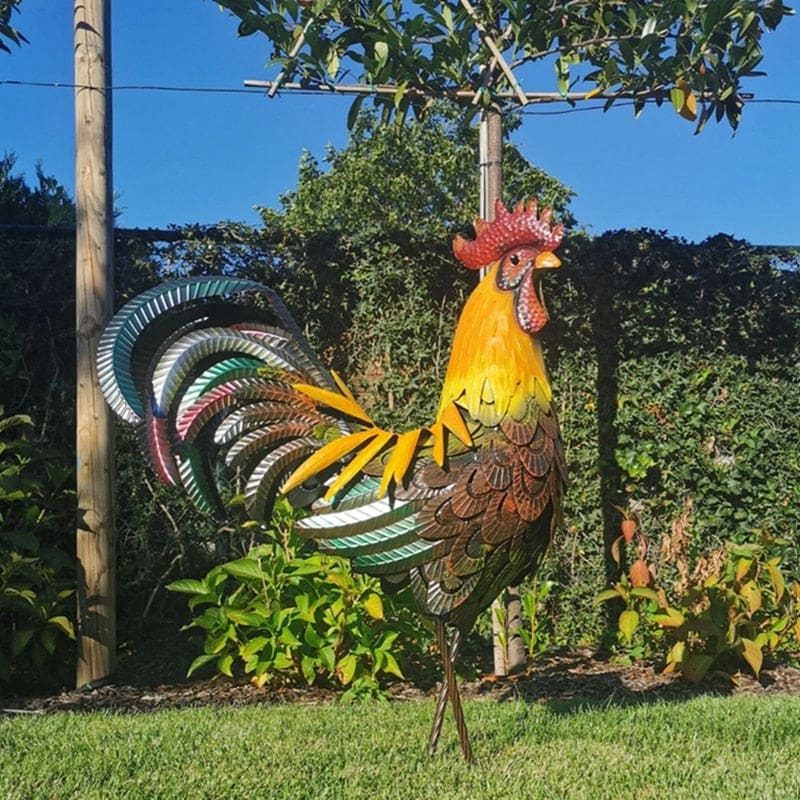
(547, 260)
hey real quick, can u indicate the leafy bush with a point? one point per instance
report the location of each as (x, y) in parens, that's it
(733, 606)
(36, 576)
(745, 608)
(280, 614)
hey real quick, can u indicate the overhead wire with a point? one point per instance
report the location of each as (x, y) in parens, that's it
(257, 92)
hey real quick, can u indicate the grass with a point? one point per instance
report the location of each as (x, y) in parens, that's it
(705, 748)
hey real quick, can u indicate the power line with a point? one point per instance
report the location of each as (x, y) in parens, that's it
(259, 92)
(628, 104)
(133, 87)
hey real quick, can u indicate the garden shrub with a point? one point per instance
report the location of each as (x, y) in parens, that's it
(732, 606)
(284, 614)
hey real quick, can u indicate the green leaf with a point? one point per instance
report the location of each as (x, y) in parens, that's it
(303, 567)
(245, 568)
(752, 595)
(447, 17)
(671, 618)
(346, 668)
(200, 661)
(646, 592)
(20, 640)
(628, 623)
(332, 64)
(216, 643)
(47, 638)
(287, 637)
(353, 112)
(391, 666)
(224, 665)
(695, 666)
(14, 420)
(283, 662)
(252, 619)
(752, 654)
(399, 94)
(253, 646)
(677, 652)
(308, 668)
(63, 624)
(373, 605)
(381, 54)
(187, 586)
(777, 579)
(312, 638)
(606, 595)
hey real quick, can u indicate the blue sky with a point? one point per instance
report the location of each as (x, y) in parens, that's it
(185, 157)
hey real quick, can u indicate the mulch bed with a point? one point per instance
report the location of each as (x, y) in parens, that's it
(577, 676)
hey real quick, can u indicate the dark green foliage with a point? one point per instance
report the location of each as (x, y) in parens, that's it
(37, 577)
(674, 366)
(36, 328)
(157, 531)
(673, 363)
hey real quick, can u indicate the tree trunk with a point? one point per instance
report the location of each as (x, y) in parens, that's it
(93, 302)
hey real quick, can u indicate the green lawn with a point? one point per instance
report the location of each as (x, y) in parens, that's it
(709, 747)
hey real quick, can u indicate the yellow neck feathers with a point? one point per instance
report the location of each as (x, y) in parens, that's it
(495, 367)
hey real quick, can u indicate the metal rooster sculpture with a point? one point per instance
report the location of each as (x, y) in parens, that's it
(218, 378)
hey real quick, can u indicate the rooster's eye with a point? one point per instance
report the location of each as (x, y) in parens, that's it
(514, 260)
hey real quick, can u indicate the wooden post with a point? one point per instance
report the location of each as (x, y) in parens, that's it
(490, 146)
(94, 302)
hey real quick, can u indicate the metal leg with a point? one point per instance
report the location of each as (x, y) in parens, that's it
(438, 717)
(449, 691)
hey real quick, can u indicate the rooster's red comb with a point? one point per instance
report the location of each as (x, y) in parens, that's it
(517, 228)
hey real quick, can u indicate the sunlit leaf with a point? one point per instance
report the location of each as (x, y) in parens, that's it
(607, 594)
(777, 579)
(200, 661)
(63, 624)
(671, 618)
(752, 655)
(628, 623)
(373, 605)
(225, 664)
(346, 668)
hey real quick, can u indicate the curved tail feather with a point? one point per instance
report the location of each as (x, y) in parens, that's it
(204, 368)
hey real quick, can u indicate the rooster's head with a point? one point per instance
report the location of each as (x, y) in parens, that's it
(522, 241)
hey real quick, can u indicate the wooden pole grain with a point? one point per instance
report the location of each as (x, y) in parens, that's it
(94, 301)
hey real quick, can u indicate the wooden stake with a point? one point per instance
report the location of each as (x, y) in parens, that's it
(490, 148)
(93, 301)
